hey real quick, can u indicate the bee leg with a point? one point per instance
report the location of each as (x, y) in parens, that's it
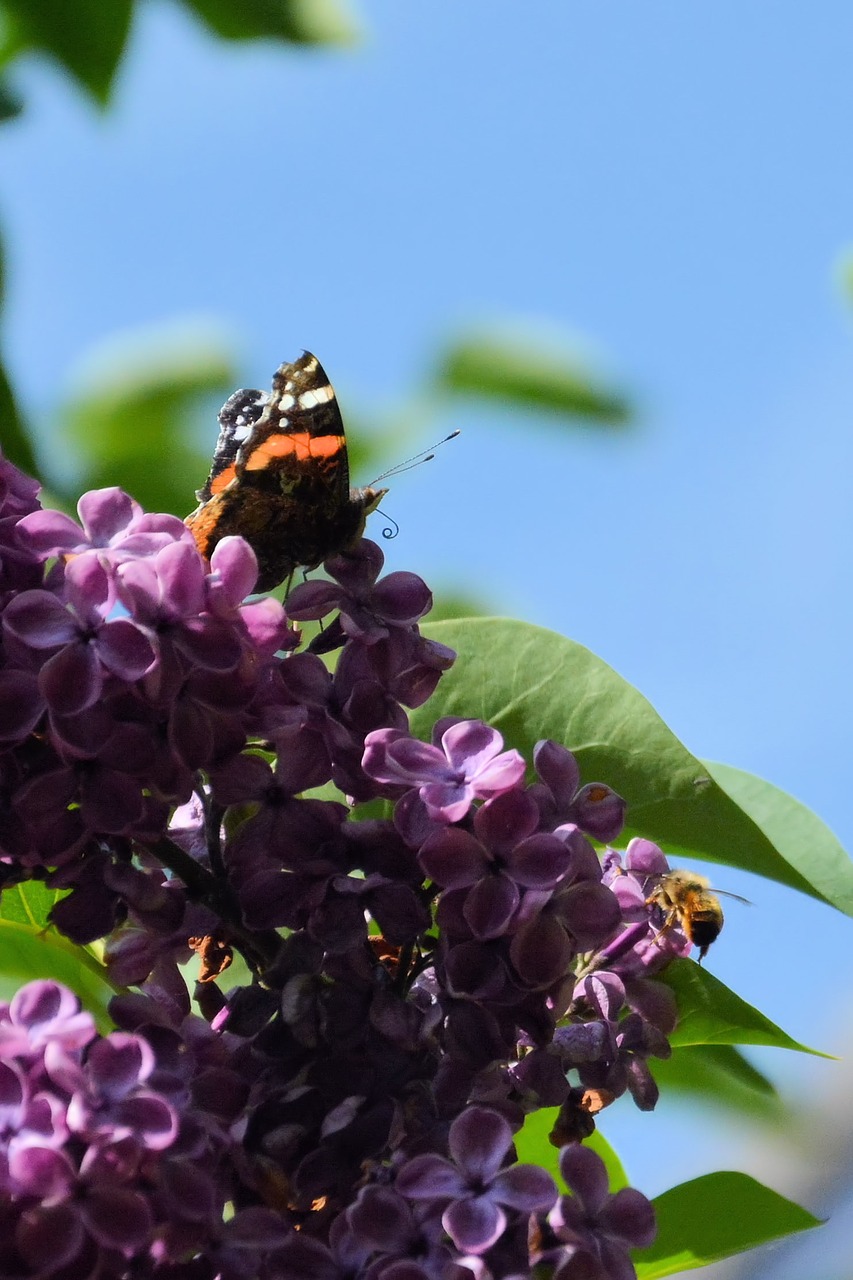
(670, 920)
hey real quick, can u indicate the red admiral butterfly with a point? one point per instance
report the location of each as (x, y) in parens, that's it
(280, 476)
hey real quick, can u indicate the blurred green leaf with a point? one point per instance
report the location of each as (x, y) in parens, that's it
(11, 103)
(718, 1074)
(714, 1217)
(806, 843)
(527, 375)
(450, 605)
(298, 21)
(369, 450)
(531, 683)
(135, 429)
(14, 440)
(31, 949)
(86, 36)
(844, 273)
(709, 1012)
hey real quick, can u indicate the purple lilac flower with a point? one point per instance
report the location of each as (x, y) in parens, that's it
(503, 856)
(468, 764)
(88, 1134)
(368, 607)
(113, 525)
(84, 645)
(644, 947)
(596, 1228)
(474, 1184)
(595, 807)
(579, 915)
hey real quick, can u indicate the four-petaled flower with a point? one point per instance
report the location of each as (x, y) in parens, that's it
(475, 1184)
(469, 763)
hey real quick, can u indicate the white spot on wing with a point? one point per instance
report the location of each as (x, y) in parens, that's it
(319, 395)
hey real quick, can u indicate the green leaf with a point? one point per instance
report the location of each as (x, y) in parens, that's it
(531, 683)
(28, 904)
(13, 434)
(298, 21)
(709, 1012)
(31, 949)
(720, 1075)
(454, 605)
(11, 102)
(147, 413)
(86, 36)
(14, 440)
(806, 843)
(530, 375)
(714, 1217)
(533, 1147)
(532, 1144)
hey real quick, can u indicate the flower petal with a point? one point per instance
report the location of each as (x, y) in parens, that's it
(475, 1224)
(478, 1141)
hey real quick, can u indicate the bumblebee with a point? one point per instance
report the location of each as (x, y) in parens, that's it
(686, 900)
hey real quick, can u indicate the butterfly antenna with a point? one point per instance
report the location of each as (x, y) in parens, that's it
(426, 455)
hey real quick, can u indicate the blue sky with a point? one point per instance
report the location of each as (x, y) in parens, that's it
(670, 185)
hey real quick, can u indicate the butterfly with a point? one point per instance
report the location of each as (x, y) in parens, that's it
(280, 476)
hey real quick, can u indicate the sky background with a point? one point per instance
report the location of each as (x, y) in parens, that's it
(669, 188)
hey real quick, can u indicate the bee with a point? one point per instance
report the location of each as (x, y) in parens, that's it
(686, 899)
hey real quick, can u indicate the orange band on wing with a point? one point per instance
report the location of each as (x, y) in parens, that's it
(226, 475)
(202, 525)
(301, 444)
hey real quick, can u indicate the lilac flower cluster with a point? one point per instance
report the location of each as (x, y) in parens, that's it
(190, 771)
(103, 1161)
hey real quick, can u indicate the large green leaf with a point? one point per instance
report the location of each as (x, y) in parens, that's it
(714, 1217)
(30, 948)
(531, 683)
(519, 372)
(709, 1012)
(805, 842)
(298, 21)
(718, 1074)
(86, 36)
